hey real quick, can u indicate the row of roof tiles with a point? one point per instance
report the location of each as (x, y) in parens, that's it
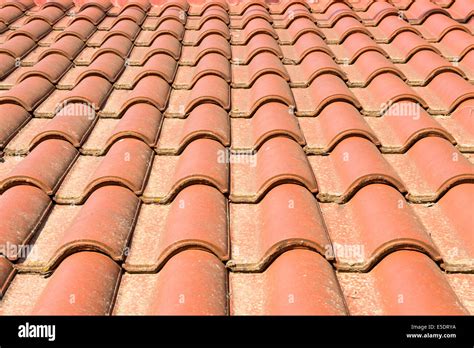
(195, 282)
(425, 173)
(190, 90)
(289, 216)
(396, 132)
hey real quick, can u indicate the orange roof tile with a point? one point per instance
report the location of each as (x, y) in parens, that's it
(232, 157)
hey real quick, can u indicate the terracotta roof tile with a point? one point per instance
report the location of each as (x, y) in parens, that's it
(210, 64)
(379, 219)
(21, 216)
(304, 45)
(269, 120)
(180, 226)
(297, 28)
(257, 44)
(268, 87)
(286, 218)
(309, 288)
(211, 26)
(28, 93)
(323, 133)
(91, 278)
(323, 90)
(204, 121)
(354, 163)
(192, 282)
(18, 117)
(253, 175)
(54, 154)
(127, 163)
(236, 157)
(202, 161)
(378, 293)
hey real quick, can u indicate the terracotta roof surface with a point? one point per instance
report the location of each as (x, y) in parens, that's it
(237, 157)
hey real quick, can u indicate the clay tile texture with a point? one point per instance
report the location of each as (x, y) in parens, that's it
(236, 157)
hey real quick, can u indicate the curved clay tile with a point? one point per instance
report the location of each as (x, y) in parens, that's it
(91, 277)
(208, 89)
(45, 167)
(196, 279)
(215, 12)
(323, 90)
(355, 162)
(202, 161)
(369, 65)
(347, 26)
(438, 25)
(35, 30)
(269, 120)
(257, 44)
(307, 43)
(23, 209)
(450, 90)
(379, 221)
(287, 218)
(391, 26)
(141, 120)
(253, 175)
(212, 26)
(324, 132)
(28, 93)
(406, 44)
(204, 121)
(254, 27)
(299, 27)
(160, 64)
(92, 90)
(127, 163)
(163, 231)
(165, 4)
(267, 88)
(333, 13)
(283, 6)
(293, 12)
(52, 67)
(403, 124)
(104, 5)
(422, 9)
(298, 282)
(18, 117)
(426, 65)
(313, 65)
(93, 15)
(211, 64)
(18, 46)
(68, 46)
(377, 11)
(263, 63)
(439, 166)
(240, 7)
(73, 123)
(104, 223)
(81, 29)
(424, 288)
(251, 14)
(201, 9)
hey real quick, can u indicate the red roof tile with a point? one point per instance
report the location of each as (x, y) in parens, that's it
(236, 157)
